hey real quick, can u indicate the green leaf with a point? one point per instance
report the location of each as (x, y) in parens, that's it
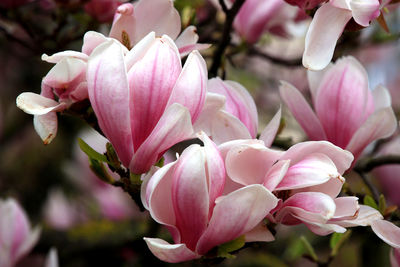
(337, 240)
(382, 204)
(160, 163)
(369, 201)
(100, 170)
(112, 156)
(309, 249)
(90, 152)
(225, 249)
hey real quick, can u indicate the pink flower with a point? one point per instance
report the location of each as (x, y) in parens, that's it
(186, 197)
(16, 236)
(328, 24)
(346, 113)
(305, 4)
(102, 10)
(145, 101)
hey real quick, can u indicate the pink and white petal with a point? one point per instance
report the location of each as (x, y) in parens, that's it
(227, 146)
(381, 97)
(139, 50)
(341, 158)
(123, 28)
(248, 164)
(270, 131)
(46, 126)
(324, 31)
(57, 57)
(151, 81)
(302, 111)
(80, 93)
(164, 19)
(312, 207)
(185, 50)
(106, 69)
(190, 195)
(28, 243)
(313, 169)
(173, 127)
(247, 99)
(324, 229)
(191, 87)
(275, 174)
(347, 208)
(215, 170)
(35, 104)
(145, 182)
(366, 215)
(260, 233)
(395, 257)
(169, 253)
(235, 215)
(314, 80)
(335, 107)
(365, 11)
(331, 188)
(188, 37)
(64, 72)
(226, 127)
(380, 124)
(212, 104)
(388, 232)
(91, 40)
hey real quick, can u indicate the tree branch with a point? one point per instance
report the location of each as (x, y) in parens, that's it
(367, 165)
(276, 60)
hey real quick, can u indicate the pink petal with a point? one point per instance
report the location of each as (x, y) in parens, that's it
(341, 158)
(173, 127)
(170, 253)
(314, 80)
(65, 72)
(226, 127)
(46, 126)
(347, 208)
(324, 229)
(395, 257)
(190, 195)
(381, 124)
(37, 105)
(341, 101)
(235, 215)
(91, 40)
(302, 111)
(331, 188)
(313, 169)
(124, 25)
(109, 96)
(248, 164)
(164, 19)
(364, 11)
(270, 131)
(260, 233)
(366, 215)
(381, 97)
(191, 87)
(187, 41)
(139, 50)
(57, 57)
(324, 31)
(387, 231)
(212, 104)
(275, 174)
(151, 81)
(215, 170)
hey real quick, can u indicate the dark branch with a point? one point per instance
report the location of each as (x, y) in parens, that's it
(370, 186)
(223, 6)
(297, 62)
(226, 37)
(367, 165)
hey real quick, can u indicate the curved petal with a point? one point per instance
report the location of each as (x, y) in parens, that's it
(164, 19)
(212, 104)
(191, 86)
(123, 27)
(346, 208)
(275, 174)
(91, 40)
(65, 72)
(381, 124)
(260, 233)
(271, 130)
(46, 126)
(340, 157)
(109, 95)
(169, 253)
(235, 215)
(35, 104)
(173, 127)
(366, 215)
(57, 57)
(151, 81)
(313, 169)
(139, 50)
(302, 111)
(365, 11)
(314, 80)
(324, 31)
(331, 188)
(381, 97)
(190, 195)
(248, 164)
(387, 231)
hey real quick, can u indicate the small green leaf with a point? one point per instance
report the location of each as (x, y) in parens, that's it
(309, 249)
(100, 170)
(369, 201)
(90, 152)
(337, 240)
(382, 204)
(112, 156)
(225, 249)
(160, 163)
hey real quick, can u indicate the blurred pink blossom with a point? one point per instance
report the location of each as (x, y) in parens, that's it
(102, 10)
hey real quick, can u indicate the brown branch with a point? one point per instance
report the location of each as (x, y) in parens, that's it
(367, 165)
(276, 60)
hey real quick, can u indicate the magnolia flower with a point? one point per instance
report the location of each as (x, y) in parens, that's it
(346, 113)
(328, 24)
(16, 236)
(144, 101)
(102, 10)
(186, 197)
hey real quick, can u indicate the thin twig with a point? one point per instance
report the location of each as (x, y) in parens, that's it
(226, 37)
(371, 187)
(297, 62)
(369, 164)
(223, 6)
